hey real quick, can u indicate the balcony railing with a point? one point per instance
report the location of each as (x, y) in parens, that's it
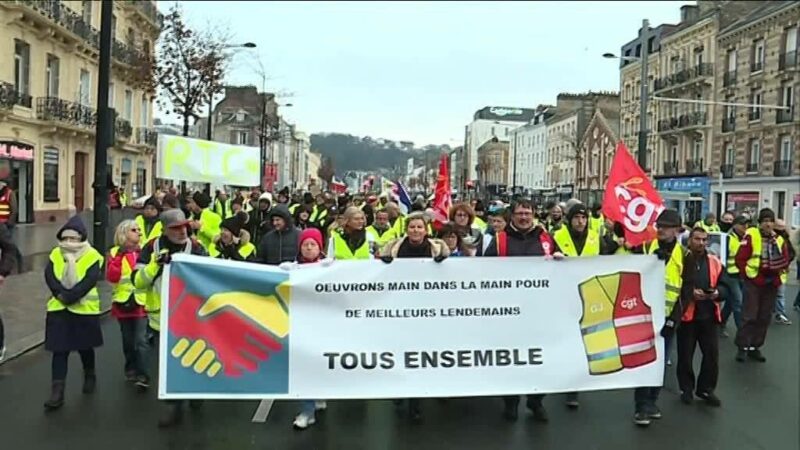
(751, 168)
(126, 54)
(9, 96)
(787, 60)
(756, 66)
(728, 124)
(784, 115)
(693, 119)
(782, 168)
(700, 70)
(694, 165)
(727, 170)
(59, 110)
(754, 115)
(729, 79)
(150, 11)
(670, 167)
(123, 129)
(146, 136)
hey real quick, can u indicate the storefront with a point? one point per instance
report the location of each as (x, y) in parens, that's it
(565, 192)
(750, 195)
(687, 195)
(16, 160)
(742, 202)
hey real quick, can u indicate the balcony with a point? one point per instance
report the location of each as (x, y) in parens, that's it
(728, 124)
(756, 66)
(726, 170)
(126, 54)
(149, 10)
(146, 136)
(694, 166)
(684, 121)
(784, 115)
(754, 115)
(751, 167)
(787, 60)
(58, 110)
(122, 129)
(670, 167)
(9, 96)
(782, 168)
(684, 76)
(729, 79)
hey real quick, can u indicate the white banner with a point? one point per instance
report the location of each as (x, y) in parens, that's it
(417, 328)
(195, 160)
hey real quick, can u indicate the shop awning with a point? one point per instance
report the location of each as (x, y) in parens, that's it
(681, 196)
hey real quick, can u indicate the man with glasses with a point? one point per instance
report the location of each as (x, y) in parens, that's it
(523, 238)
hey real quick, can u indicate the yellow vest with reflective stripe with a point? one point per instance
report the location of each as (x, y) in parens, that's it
(154, 232)
(733, 248)
(400, 226)
(597, 327)
(121, 291)
(210, 227)
(596, 224)
(90, 303)
(709, 228)
(567, 246)
(218, 206)
(342, 251)
(672, 275)
(244, 250)
(754, 263)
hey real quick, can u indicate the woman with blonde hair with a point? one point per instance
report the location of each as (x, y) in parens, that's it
(127, 302)
(351, 240)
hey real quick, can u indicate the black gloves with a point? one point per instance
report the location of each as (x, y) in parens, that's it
(669, 329)
(439, 258)
(387, 259)
(164, 257)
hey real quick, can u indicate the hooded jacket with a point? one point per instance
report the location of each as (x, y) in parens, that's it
(279, 246)
(258, 223)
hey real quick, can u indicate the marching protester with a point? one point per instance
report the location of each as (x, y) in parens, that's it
(498, 221)
(479, 217)
(709, 223)
(280, 244)
(351, 241)
(731, 282)
(780, 300)
(222, 205)
(522, 238)
(699, 315)
(8, 252)
(73, 310)
(380, 230)
(452, 236)
(302, 216)
(147, 276)
(128, 303)
(762, 257)
(415, 244)
(726, 221)
(554, 216)
(147, 222)
(233, 241)
(259, 217)
(463, 216)
(206, 222)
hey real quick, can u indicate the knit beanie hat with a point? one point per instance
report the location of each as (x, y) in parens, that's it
(232, 224)
(311, 233)
(201, 199)
(577, 208)
(766, 214)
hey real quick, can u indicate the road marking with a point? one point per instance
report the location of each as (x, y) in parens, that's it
(262, 411)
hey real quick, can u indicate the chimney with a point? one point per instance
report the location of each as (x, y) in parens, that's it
(688, 13)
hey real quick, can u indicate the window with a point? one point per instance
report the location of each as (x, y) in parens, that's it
(790, 40)
(758, 56)
(787, 97)
(755, 153)
(130, 38)
(144, 111)
(128, 111)
(786, 148)
(242, 138)
(140, 188)
(87, 11)
(730, 154)
(755, 99)
(673, 152)
(113, 27)
(110, 95)
(732, 61)
(697, 149)
(50, 177)
(84, 95)
(22, 66)
(51, 76)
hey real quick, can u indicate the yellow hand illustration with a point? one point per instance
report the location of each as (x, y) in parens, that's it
(266, 311)
(198, 356)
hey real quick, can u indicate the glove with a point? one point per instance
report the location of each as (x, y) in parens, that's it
(387, 259)
(668, 329)
(164, 257)
(287, 265)
(439, 258)
(198, 356)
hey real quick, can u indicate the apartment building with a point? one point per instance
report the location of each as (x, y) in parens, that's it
(528, 152)
(493, 166)
(488, 123)
(756, 157)
(48, 99)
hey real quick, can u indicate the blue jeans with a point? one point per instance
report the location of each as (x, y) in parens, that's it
(645, 398)
(780, 300)
(731, 290)
(135, 345)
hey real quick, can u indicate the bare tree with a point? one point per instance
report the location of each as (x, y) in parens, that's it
(188, 67)
(326, 170)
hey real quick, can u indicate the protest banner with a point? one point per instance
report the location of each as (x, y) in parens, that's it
(412, 328)
(195, 160)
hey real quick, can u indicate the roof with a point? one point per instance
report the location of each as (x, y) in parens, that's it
(767, 9)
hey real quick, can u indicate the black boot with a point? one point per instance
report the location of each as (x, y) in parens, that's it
(89, 381)
(172, 415)
(510, 410)
(56, 399)
(741, 354)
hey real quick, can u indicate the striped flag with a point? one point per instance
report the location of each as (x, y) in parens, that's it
(402, 197)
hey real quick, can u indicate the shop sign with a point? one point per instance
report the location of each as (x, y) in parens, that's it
(16, 150)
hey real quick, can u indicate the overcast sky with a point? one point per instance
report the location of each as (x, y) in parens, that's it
(418, 71)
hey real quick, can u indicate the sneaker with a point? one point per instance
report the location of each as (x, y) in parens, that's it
(782, 319)
(687, 398)
(755, 354)
(710, 398)
(654, 412)
(641, 418)
(320, 405)
(303, 421)
(142, 382)
(741, 354)
(572, 401)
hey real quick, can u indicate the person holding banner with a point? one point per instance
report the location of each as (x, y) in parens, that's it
(206, 222)
(233, 242)
(523, 238)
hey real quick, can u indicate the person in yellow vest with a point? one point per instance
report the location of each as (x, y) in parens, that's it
(123, 197)
(233, 242)
(351, 241)
(396, 218)
(668, 249)
(762, 258)
(73, 310)
(597, 220)
(147, 276)
(380, 230)
(709, 223)
(383, 199)
(206, 222)
(147, 221)
(127, 302)
(731, 283)
(479, 218)
(780, 301)
(222, 205)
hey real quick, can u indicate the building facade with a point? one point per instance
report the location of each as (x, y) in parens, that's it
(528, 152)
(493, 167)
(48, 99)
(598, 146)
(313, 163)
(488, 123)
(756, 156)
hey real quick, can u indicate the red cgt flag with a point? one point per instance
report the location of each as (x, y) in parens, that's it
(442, 196)
(631, 199)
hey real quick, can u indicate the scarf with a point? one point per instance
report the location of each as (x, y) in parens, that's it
(72, 252)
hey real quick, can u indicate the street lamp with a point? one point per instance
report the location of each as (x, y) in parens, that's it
(644, 39)
(209, 128)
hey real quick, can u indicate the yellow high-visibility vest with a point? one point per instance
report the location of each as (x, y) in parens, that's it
(709, 228)
(673, 280)
(382, 239)
(145, 237)
(90, 303)
(244, 250)
(342, 251)
(210, 227)
(754, 263)
(122, 290)
(733, 248)
(567, 246)
(597, 326)
(219, 206)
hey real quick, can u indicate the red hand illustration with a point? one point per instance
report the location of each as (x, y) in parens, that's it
(239, 343)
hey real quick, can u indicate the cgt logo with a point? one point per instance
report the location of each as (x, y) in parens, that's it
(628, 303)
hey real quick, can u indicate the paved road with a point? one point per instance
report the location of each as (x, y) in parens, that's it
(761, 410)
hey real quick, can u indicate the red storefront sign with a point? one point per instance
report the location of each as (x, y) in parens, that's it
(16, 150)
(270, 177)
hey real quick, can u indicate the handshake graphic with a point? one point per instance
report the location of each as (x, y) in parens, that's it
(616, 326)
(230, 332)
